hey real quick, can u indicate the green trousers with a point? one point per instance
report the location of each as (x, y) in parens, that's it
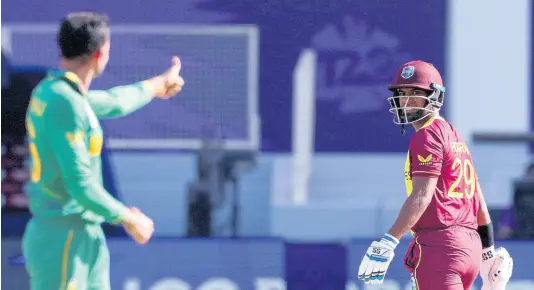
(63, 254)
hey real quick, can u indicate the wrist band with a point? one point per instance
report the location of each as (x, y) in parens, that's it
(486, 235)
(391, 240)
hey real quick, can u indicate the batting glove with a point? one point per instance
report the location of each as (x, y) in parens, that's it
(496, 268)
(376, 261)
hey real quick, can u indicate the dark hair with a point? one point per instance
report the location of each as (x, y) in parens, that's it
(82, 34)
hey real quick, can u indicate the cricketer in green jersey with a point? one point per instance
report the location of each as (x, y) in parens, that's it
(64, 245)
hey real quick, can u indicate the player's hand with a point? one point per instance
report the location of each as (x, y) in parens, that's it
(172, 81)
(496, 269)
(139, 226)
(376, 261)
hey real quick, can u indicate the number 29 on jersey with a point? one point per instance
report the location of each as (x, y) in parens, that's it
(464, 186)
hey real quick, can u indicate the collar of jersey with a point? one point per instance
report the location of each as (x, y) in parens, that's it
(430, 121)
(68, 76)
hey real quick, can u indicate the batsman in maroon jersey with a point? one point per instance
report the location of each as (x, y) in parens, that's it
(445, 208)
(446, 252)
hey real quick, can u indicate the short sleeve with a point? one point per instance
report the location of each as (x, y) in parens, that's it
(426, 154)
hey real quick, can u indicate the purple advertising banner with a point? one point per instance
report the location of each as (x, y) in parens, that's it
(532, 74)
(359, 45)
(250, 264)
(225, 264)
(316, 266)
(359, 52)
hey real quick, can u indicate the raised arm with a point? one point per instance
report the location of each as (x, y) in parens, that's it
(120, 101)
(123, 100)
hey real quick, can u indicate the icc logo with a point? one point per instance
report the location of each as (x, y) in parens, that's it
(356, 64)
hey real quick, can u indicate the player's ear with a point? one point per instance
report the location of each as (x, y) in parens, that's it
(98, 55)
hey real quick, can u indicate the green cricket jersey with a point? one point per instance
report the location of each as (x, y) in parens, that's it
(65, 141)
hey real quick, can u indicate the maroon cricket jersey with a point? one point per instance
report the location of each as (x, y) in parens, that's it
(437, 150)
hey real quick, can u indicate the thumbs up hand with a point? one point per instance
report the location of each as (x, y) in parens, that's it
(172, 81)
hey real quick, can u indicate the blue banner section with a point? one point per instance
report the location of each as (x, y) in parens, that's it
(250, 264)
(359, 45)
(532, 73)
(224, 264)
(358, 55)
(315, 266)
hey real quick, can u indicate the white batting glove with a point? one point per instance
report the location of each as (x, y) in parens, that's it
(376, 261)
(496, 268)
